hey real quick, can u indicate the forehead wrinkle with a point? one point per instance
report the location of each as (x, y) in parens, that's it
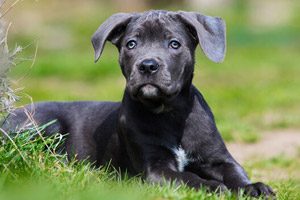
(153, 24)
(155, 32)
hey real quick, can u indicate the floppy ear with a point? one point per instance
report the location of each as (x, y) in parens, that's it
(210, 33)
(110, 30)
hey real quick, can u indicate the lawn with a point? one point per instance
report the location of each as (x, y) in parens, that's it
(31, 169)
(255, 90)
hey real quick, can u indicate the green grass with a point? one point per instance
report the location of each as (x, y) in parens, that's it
(30, 168)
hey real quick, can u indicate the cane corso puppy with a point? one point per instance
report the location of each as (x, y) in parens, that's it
(163, 128)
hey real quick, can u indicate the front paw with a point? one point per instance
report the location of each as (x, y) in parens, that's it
(259, 189)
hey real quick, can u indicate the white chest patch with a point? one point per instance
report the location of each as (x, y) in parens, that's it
(181, 158)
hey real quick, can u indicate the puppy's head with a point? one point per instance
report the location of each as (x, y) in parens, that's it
(157, 49)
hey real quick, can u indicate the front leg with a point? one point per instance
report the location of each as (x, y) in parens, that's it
(209, 155)
(159, 171)
(160, 175)
(233, 176)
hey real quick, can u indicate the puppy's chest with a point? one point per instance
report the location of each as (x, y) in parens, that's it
(182, 157)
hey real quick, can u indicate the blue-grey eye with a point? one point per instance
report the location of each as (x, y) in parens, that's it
(174, 44)
(131, 44)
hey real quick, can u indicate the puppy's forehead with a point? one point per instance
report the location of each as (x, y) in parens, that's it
(155, 22)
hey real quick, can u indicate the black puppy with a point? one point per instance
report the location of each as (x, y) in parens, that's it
(163, 127)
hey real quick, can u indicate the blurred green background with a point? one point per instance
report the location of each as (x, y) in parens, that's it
(255, 89)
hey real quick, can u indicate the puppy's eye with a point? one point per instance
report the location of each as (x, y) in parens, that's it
(131, 44)
(174, 44)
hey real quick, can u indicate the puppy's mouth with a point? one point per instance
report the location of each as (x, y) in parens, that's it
(156, 98)
(149, 92)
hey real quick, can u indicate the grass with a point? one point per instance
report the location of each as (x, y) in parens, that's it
(30, 168)
(7, 58)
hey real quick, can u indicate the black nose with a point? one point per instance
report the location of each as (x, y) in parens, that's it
(148, 66)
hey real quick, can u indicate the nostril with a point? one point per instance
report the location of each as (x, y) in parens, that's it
(154, 67)
(142, 68)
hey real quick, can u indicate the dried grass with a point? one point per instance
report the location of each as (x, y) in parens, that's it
(7, 57)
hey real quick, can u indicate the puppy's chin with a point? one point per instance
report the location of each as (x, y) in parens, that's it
(148, 92)
(149, 95)
(152, 95)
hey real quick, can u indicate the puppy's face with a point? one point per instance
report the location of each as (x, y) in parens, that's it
(157, 49)
(156, 56)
